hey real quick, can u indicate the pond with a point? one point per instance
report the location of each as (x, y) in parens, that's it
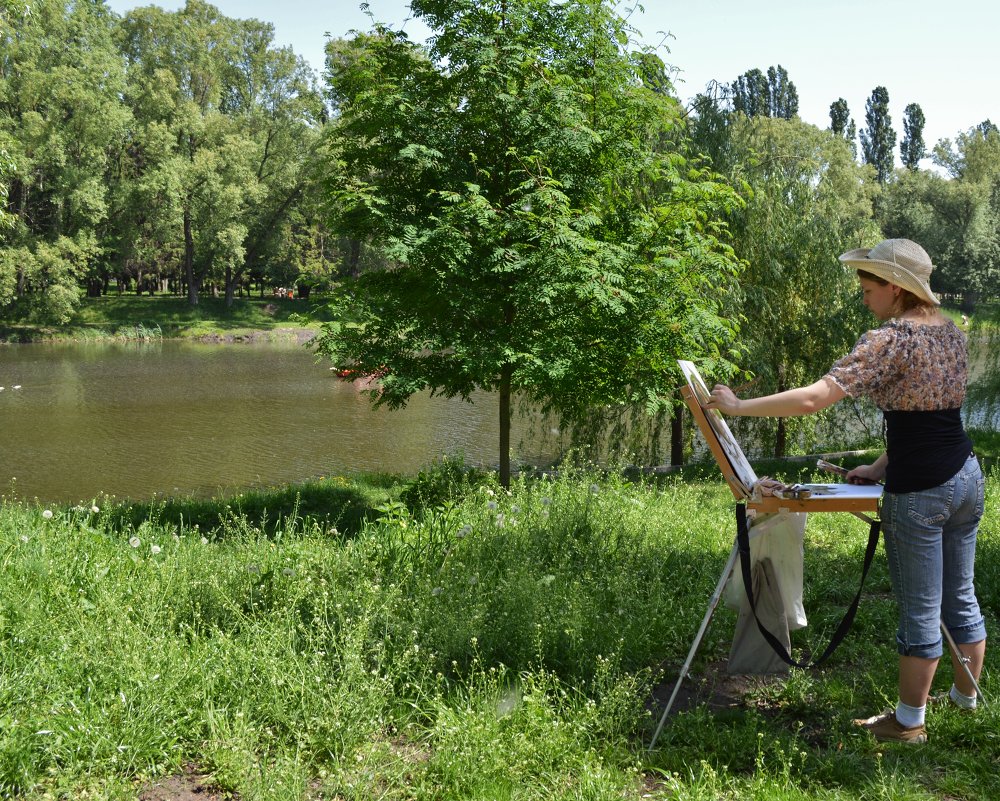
(182, 418)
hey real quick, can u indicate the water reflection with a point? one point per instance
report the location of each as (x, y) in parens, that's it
(185, 418)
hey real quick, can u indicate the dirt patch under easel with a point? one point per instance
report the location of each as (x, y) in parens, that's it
(714, 688)
(192, 784)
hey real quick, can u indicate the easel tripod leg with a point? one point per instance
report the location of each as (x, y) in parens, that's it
(963, 661)
(730, 564)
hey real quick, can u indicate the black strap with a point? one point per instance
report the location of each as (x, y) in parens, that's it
(743, 542)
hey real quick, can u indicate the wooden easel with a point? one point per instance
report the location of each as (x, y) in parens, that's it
(859, 500)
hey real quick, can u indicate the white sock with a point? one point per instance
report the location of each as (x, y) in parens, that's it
(910, 716)
(964, 701)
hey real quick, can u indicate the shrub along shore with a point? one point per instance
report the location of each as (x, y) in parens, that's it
(132, 317)
(439, 637)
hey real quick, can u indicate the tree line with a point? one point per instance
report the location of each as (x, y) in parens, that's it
(159, 151)
(521, 205)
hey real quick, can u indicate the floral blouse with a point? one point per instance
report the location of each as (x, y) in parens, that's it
(906, 366)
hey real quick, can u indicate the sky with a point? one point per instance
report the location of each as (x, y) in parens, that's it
(942, 57)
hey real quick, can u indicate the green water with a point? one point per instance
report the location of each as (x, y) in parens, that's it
(182, 418)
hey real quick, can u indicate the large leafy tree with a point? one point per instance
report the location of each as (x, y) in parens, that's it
(956, 216)
(538, 242)
(225, 125)
(842, 124)
(879, 139)
(806, 202)
(61, 121)
(911, 148)
(773, 95)
(801, 313)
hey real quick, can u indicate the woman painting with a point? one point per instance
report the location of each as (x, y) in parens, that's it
(914, 368)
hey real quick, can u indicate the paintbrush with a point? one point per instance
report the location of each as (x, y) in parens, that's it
(829, 467)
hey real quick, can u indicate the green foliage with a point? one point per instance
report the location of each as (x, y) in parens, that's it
(773, 96)
(151, 142)
(878, 140)
(957, 219)
(806, 202)
(442, 484)
(911, 148)
(503, 646)
(537, 240)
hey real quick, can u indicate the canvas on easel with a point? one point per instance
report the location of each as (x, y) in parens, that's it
(742, 480)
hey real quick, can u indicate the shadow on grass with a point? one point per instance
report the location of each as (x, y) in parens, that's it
(326, 504)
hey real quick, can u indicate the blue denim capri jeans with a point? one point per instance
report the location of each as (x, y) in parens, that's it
(930, 544)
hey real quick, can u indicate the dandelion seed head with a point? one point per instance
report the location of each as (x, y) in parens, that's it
(135, 542)
(500, 519)
(492, 505)
(154, 549)
(546, 501)
(47, 514)
(464, 531)
(594, 489)
(437, 590)
(204, 540)
(95, 508)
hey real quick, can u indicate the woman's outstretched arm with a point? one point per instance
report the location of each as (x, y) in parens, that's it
(790, 403)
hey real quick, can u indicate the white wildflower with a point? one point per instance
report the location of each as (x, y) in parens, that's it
(47, 514)
(204, 540)
(154, 549)
(95, 508)
(500, 520)
(135, 542)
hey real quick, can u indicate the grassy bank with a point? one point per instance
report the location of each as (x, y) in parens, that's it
(438, 639)
(130, 317)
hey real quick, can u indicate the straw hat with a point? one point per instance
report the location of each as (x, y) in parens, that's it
(898, 261)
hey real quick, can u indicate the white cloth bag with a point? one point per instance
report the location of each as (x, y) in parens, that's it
(779, 538)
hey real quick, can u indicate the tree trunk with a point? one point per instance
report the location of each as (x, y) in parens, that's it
(230, 289)
(354, 258)
(781, 435)
(677, 435)
(505, 374)
(192, 284)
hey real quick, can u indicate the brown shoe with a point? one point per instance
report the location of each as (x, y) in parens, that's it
(887, 729)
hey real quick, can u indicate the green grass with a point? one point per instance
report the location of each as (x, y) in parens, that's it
(441, 638)
(131, 316)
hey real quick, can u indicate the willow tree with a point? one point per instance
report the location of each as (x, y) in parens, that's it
(537, 241)
(806, 203)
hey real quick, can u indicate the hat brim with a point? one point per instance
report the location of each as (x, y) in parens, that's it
(893, 273)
